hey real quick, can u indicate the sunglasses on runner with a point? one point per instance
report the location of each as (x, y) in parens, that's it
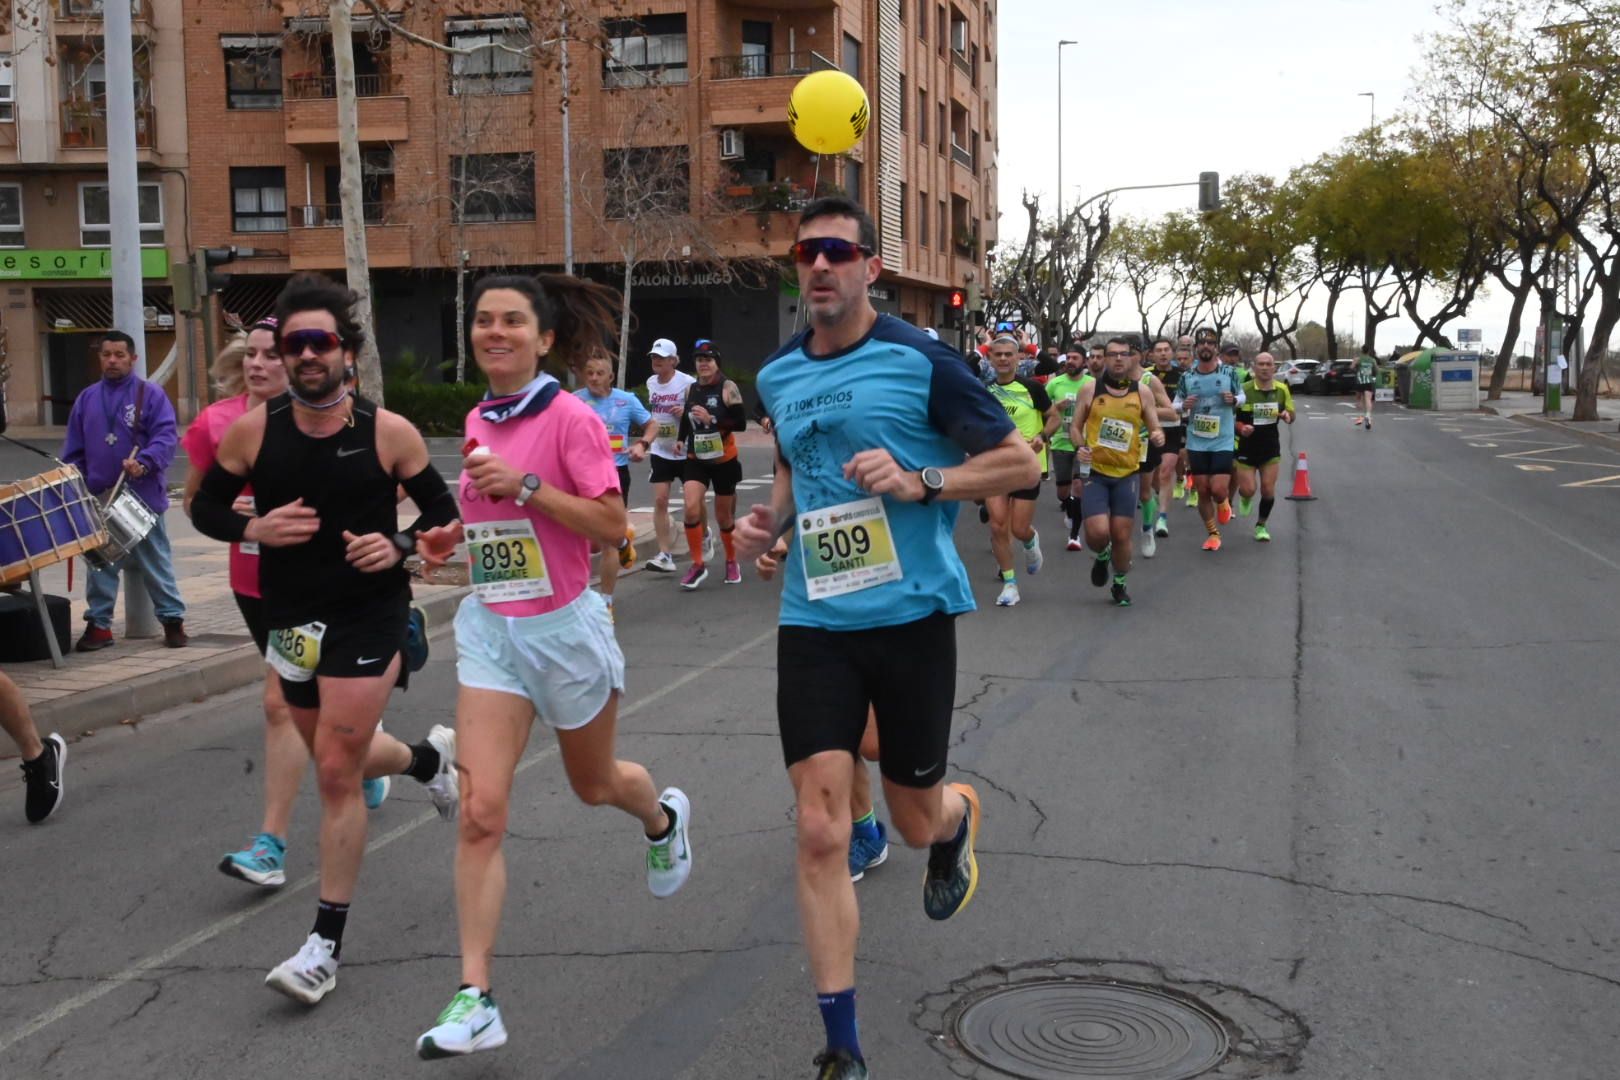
(837, 250)
(317, 341)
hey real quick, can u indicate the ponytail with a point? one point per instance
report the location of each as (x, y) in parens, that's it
(584, 314)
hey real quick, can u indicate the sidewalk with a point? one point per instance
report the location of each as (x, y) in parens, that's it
(1526, 408)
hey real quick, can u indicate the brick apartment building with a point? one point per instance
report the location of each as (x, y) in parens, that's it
(462, 155)
(54, 225)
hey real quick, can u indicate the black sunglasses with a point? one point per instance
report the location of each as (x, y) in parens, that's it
(319, 341)
(836, 250)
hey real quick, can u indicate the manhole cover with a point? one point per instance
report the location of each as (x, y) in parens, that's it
(1064, 1030)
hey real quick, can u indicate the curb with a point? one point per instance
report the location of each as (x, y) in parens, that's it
(1594, 438)
(129, 702)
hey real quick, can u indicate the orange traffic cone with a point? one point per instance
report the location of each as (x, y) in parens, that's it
(1302, 480)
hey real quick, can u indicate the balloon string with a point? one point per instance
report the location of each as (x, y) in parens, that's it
(800, 316)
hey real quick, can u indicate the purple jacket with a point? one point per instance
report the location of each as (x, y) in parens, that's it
(109, 406)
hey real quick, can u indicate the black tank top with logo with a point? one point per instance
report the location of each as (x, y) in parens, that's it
(341, 477)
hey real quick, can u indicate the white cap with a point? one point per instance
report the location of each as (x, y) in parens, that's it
(663, 347)
(931, 332)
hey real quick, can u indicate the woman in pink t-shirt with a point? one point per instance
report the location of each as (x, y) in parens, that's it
(538, 486)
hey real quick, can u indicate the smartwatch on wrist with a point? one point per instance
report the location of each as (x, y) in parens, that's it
(405, 542)
(933, 482)
(531, 484)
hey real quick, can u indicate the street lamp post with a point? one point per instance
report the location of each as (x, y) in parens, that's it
(1372, 108)
(1057, 261)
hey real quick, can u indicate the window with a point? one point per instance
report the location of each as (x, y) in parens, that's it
(649, 51)
(922, 20)
(252, 72)
(905, 197)
(499, 62)
(647, 181)
(922, 116)
(852, 179)
(259, 200)
(903, 96)
(95, 216)
(922, 218)
(943, 223)
(959, 32)
(492, 187)
(11, 216)
(8, 100)
(852, 58)
(940, 118)
(941, 20)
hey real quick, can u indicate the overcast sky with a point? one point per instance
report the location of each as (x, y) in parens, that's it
(1157, 91)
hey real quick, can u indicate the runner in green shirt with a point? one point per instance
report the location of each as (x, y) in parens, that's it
(1366, 385)
(1267, 404)
(1064, 388)
(1013, 515)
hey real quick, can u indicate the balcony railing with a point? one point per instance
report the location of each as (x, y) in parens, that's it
(84, 124)
(961, 156)
(330, 215)
(768, 65)
(317, 87)
(961, 62)
(94, 9)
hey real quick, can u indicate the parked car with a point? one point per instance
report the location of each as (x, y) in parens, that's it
(1338, 378)
(1295, 372)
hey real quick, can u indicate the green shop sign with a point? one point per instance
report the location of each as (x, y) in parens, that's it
(86, 264)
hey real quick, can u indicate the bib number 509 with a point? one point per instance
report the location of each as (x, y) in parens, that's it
(844, 543)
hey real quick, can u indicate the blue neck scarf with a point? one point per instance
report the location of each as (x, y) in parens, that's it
(532, 400)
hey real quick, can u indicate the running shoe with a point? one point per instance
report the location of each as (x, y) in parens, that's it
(1223, 512)
(733, 572)
(416, 639)
(262, 862)
(953, 872)
(627, 554)
(1367, 424)
(470, 1023)
(445, 787)
(839, 1065)
(1245, 504)
(1212, 544)
(708, 544)
(696, 574)
(1180, 489)
(1033, 559)
(42, 778)
(1099, 567)
(1120, 596)
(1074, 544)
(309, 974)
(866, 852)
(375, 791)
(662, 563)
(1162, 528)
(669, 861)
(1192, 498)
(1150, 545)
(1009, 594)
(1262, 534)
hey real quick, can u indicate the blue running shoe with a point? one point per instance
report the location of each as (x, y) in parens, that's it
(416, 642)
(262, 862)
(865, 852)
(375, 791)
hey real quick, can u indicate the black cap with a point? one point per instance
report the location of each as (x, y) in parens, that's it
(707, 348)
(1230, 349)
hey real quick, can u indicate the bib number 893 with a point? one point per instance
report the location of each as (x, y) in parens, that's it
(844, 544)
(503, 555)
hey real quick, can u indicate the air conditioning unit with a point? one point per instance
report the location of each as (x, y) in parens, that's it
(731, 144)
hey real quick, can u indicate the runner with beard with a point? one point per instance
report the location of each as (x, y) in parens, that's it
(1166, 371)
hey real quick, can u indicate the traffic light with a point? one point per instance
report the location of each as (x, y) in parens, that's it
(957, 304)
(209, 280)
(1209, 192)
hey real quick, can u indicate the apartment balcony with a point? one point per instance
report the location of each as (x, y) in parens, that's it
(754, 88)
(315, 237)
(84, 126)
(310, 106)
(962, 156)
(84, 18)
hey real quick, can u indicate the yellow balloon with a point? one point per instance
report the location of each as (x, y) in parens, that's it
(828, 112)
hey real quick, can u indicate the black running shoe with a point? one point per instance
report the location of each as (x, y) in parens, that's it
(838, 1065)
(1121, 597)
(953, 872)
(1099, 569)
(43, 779)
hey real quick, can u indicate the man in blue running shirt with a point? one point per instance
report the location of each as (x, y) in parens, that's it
(1210, 393)
(875, 423)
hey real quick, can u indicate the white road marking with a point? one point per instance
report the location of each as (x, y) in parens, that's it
(166, 956)
(1543, 450)
(1596, 481)
(1537, 468)
(1483, 445)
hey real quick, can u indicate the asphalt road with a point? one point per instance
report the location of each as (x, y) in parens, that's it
(1364, 773)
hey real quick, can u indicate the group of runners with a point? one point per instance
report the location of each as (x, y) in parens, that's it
(1124, 433)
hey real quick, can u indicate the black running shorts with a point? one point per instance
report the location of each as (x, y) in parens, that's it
(252, 609)
(666, 470)
(1262, 447)
(624, 483)
(826, 679)
(357, 645)
(723, 476)
(1155, 455)
(1209, 462)
(1175, 437)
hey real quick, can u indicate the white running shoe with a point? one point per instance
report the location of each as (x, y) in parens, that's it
(1009, 595)
(708, 544)
(1073, 544)
(308, 975)
(669, 861)
(1032, 555)
(662, 563)
(470, 1023)
(445, 787)
(1150, 545)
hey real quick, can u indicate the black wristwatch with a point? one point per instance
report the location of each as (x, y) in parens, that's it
(531, 484)
(933, 482)
(405, 542)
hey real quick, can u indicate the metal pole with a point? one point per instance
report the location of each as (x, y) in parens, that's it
(567, 160)
(123, 205)
(1057, 259)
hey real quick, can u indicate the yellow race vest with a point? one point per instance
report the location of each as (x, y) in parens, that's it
(1114, 432)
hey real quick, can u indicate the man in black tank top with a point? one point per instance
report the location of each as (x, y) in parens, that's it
(325, 465)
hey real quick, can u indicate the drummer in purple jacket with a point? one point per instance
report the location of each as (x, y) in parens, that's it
(124, 425)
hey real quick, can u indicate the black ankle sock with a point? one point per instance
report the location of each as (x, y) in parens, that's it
(330, 917)
(1266, 503)
(424, 764)
(668, 829)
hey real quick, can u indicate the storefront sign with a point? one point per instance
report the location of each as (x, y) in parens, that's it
(85, 264)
